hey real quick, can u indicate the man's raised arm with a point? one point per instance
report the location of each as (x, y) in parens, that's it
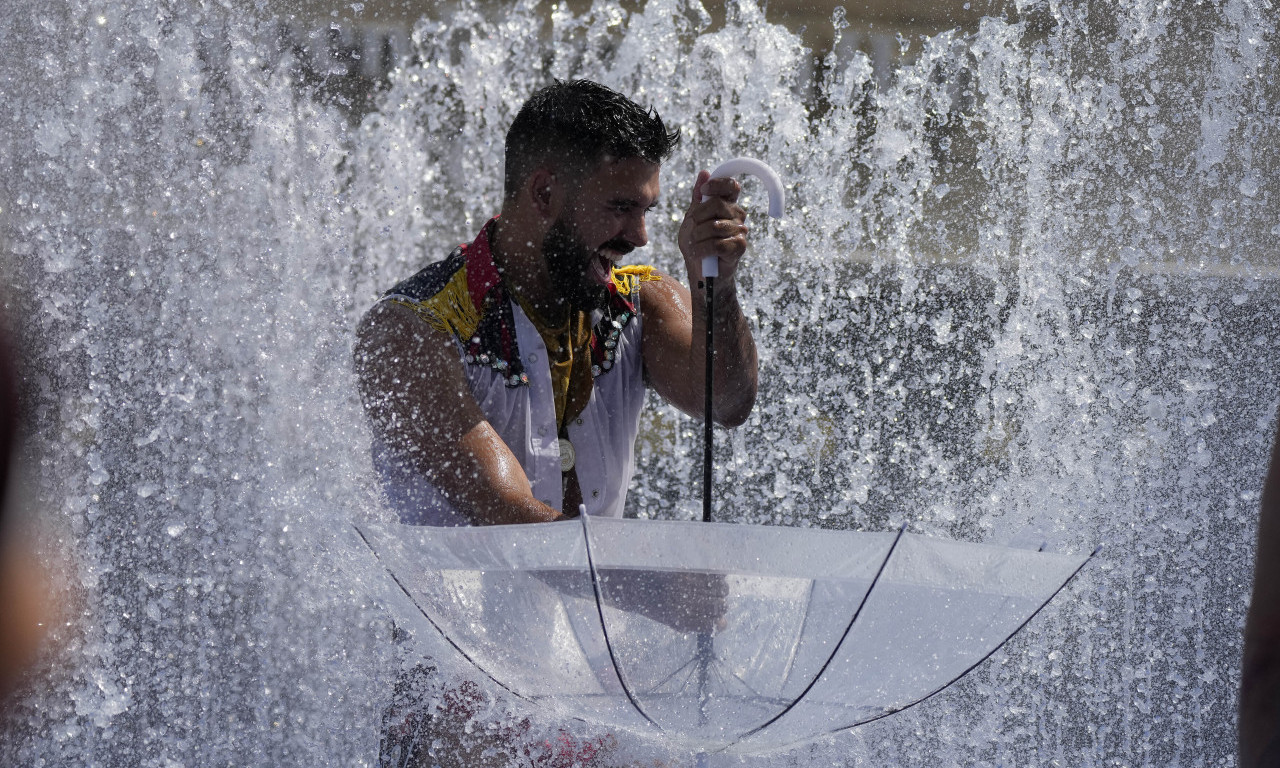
(675, 323)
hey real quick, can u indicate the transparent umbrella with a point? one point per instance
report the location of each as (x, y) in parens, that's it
(722, 637)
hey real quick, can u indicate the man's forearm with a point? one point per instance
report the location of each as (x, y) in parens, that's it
(508, 512)
(493, 488)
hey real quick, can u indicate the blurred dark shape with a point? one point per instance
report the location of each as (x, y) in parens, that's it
(25, 595)
(1259, 716)
(8, 418)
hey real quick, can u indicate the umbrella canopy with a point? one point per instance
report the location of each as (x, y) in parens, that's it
(723, 637)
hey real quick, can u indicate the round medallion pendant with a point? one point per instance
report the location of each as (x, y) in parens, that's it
(567, 455)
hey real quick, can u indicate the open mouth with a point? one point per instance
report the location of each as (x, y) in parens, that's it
(600, 269)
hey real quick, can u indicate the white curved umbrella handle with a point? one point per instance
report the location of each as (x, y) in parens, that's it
(772, 185)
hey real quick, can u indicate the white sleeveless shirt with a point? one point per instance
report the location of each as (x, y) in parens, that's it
(524, 416)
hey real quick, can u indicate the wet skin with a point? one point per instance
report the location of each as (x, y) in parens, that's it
(413, 383)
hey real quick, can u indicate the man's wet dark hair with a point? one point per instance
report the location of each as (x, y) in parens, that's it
(575, 125)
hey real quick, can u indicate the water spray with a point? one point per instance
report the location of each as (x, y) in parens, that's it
(710, 271)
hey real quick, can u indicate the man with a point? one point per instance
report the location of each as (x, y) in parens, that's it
(1259, 717)
(505, 383)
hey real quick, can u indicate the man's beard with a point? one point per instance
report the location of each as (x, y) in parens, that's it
(569, 263)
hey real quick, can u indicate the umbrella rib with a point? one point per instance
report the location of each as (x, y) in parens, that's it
(836, 649)
(722, 678)
(433, 623)
(604, 630)
(795, 649)
(724, 674)
(739, 678)
(675, 672)
(953, 680)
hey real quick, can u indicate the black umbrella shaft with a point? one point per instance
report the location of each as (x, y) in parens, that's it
(706, 409)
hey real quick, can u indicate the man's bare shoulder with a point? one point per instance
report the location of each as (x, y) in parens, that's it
(410, 374)
(664, 298)
(427, 308)
(391, 321)
(393, 333)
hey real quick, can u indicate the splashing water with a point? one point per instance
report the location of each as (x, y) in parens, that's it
(1025, 292)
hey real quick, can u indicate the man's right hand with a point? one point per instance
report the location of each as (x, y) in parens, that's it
(713, 227)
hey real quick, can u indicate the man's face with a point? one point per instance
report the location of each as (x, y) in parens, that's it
(603, 221)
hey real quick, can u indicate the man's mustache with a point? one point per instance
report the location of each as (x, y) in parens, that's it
(620, 247)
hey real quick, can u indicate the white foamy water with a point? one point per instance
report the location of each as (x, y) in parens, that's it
(1025, 293)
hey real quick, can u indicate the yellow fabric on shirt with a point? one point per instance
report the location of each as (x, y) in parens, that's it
(569, 356)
